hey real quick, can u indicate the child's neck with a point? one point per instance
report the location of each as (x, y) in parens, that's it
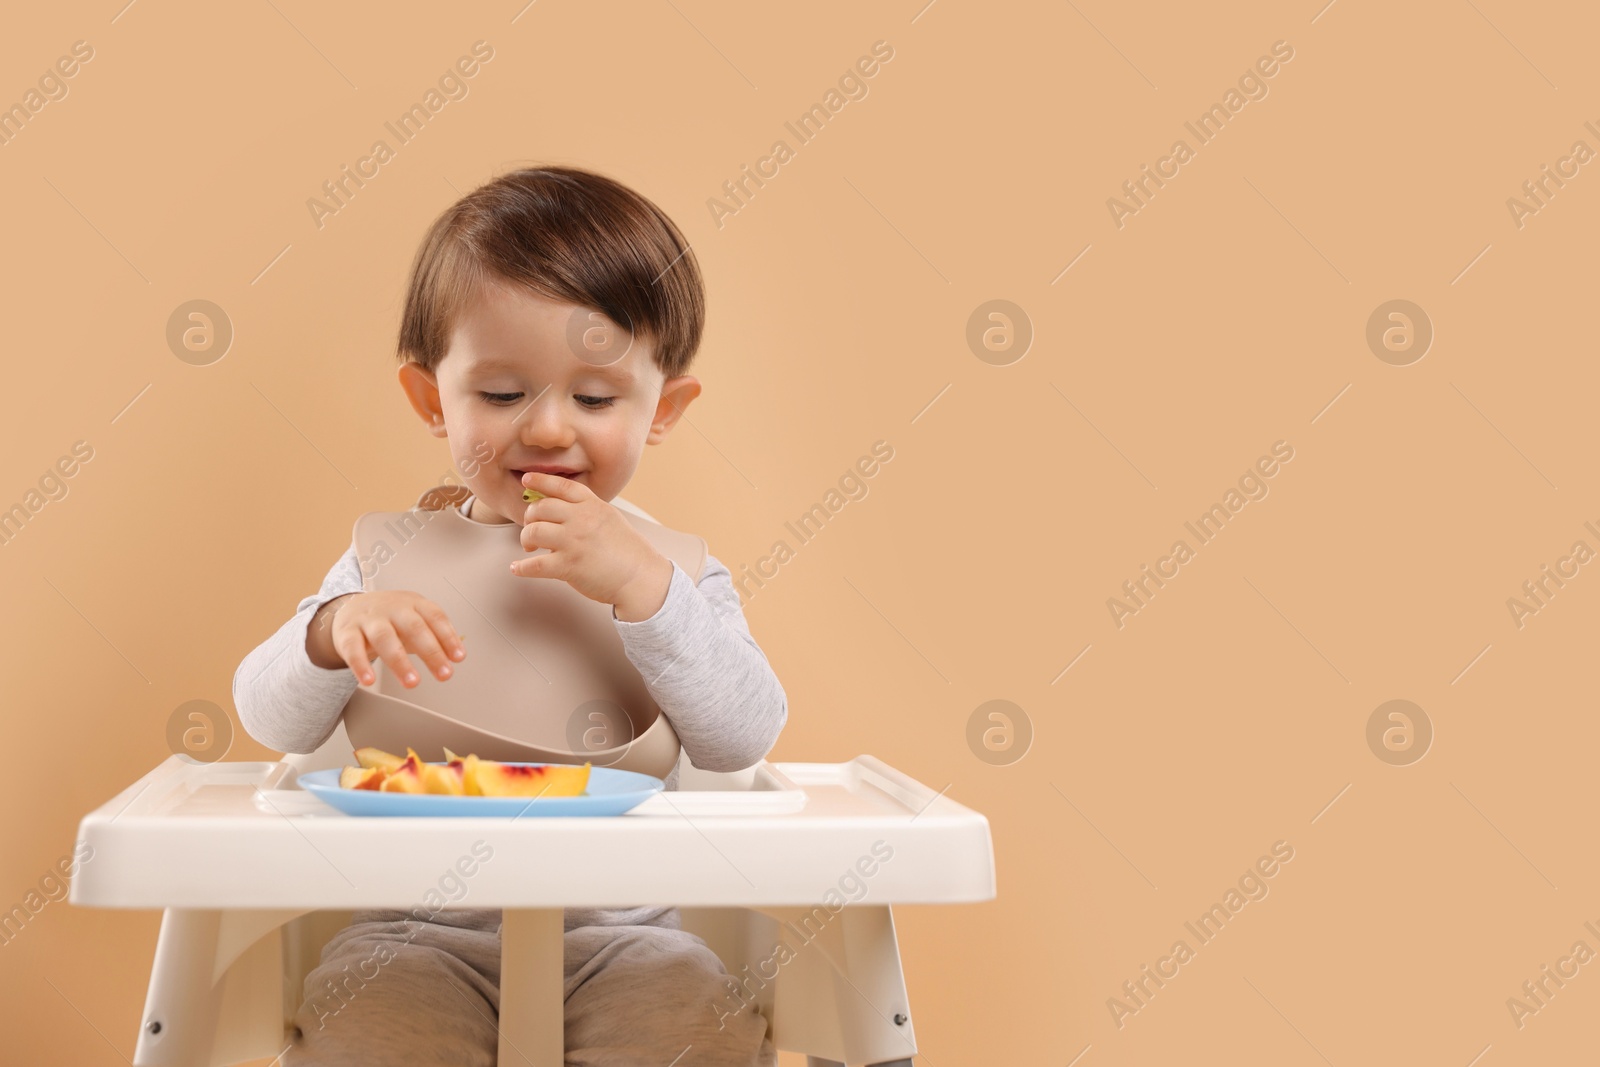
(472, 506)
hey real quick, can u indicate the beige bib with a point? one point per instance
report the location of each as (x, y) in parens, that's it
(545, 678)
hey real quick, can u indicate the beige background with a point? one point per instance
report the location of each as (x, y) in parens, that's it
(1226, 315)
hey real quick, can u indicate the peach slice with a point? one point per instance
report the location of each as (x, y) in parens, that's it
(518, 780)
(377, 757)
(461, 766)
(362, 777)
(447, 779)
(468, 767)
(461, 776)
(407, 778)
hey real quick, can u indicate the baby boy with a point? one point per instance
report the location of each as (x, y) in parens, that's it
(549, 322)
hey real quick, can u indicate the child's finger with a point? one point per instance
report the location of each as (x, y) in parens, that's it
(352, 648)
(381, 636)
(443, 630)
(553, 485)
(554, 508)
(420, 640)
(543, 534)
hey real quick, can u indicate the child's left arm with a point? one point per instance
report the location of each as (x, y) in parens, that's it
(707, 673)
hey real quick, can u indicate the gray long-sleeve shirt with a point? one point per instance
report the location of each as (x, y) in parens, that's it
(702, 667)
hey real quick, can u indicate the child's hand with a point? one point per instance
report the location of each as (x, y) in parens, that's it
(392, 624)
(593, 548)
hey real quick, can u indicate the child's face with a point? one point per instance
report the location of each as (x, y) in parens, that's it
(512, 393)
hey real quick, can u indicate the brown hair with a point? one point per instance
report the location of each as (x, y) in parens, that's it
(570, 235)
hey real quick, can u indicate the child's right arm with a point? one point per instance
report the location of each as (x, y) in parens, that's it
(291, 689)
(284, 700)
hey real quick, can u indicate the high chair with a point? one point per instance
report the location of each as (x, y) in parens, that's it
(254, 875)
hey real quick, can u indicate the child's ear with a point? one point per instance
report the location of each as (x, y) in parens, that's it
(676, 393)
(422, 389)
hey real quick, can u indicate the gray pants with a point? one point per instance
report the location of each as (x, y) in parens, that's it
(392, 993)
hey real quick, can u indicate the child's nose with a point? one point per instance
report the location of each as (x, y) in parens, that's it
(545, 423)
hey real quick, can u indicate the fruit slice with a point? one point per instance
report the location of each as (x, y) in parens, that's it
(530, 495)
(523, 780)
(407, 778)
(469, 773)
(446, 779)
(462, 776)
(362, 777)
(377, 757)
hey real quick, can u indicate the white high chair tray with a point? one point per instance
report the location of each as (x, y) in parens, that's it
(234, 835)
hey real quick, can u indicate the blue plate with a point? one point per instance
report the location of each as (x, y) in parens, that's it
(610, 792)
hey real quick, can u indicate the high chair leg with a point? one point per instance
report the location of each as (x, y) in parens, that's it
(179, 1023)
(532, 978)
(215, 993)
(840, 989)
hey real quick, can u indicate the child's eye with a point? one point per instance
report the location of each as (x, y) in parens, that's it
(599, 401)
(500, 398)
